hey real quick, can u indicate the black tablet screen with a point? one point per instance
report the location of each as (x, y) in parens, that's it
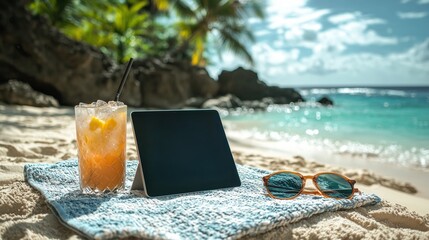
(183, 151)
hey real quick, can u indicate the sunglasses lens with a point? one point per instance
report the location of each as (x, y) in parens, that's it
(334, 186)
(284, 185)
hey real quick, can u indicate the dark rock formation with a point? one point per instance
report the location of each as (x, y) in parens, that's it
(258, 105)
(170, 85)
(15, 92)
(195, 102)
(246, 85)
(202, 84)
(232, 102)
(228, 101)
(325, 101)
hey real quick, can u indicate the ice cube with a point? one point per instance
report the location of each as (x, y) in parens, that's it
(100, 103)
(86, 105)
(113, 103)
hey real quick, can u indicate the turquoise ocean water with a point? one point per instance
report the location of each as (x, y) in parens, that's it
(384, 124)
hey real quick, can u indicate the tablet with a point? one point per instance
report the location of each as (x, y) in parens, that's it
(182, 151)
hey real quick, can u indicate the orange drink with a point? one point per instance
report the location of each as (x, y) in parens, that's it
(101, 139)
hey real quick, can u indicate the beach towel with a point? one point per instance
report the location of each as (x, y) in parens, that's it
(216, 214)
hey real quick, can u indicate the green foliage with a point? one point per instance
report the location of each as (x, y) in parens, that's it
(57, 11)
(130, 28)
(115, 28)
(120, 30)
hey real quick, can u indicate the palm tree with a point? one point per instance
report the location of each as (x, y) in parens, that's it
(224, 18)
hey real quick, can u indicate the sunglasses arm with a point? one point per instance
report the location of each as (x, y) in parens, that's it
(355, 190)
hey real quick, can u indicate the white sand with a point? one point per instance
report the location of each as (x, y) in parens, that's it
(29, 135)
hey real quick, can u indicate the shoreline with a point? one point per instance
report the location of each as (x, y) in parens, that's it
(418, 202)
(401, 154)
(414, 175)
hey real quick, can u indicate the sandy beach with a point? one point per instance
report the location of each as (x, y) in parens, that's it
(32, 135)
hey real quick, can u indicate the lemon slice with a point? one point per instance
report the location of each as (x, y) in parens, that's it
(95, 123)
(109, 125)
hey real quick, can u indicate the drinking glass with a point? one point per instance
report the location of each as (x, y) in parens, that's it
(101, 139)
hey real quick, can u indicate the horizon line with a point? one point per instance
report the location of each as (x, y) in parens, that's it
(356, 86)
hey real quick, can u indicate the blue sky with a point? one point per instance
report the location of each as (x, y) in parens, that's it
(338, 43)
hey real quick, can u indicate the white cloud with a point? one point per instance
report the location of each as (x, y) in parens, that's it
(261, 33)
(272, 62)
(356, 33)
(287, 14)
(278, 44)
(344, 17)
(324, 64)
(412, 15)
(300, 36)
(313, 26)
(253, 20)
(284, 8)
(417, 55)
(421, 52)
(418, 1)
(373, 21)
(351, 29)
(266, 54)
(414, 61)
(287, 22)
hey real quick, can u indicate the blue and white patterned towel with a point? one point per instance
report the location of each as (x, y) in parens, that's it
(217, 214)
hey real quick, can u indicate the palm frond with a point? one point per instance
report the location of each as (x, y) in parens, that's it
(256, 8)
(238, 29)
(135, 8)
(183, 9)
(231, 41)
(225, 10)
(162, 5)
(184, 30)
(197, 56)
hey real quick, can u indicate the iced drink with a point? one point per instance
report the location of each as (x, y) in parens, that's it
(101, 140)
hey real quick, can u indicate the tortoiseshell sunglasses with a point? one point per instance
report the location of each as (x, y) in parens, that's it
(288, 185)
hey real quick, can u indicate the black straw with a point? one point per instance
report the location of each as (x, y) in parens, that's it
(124, 78)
